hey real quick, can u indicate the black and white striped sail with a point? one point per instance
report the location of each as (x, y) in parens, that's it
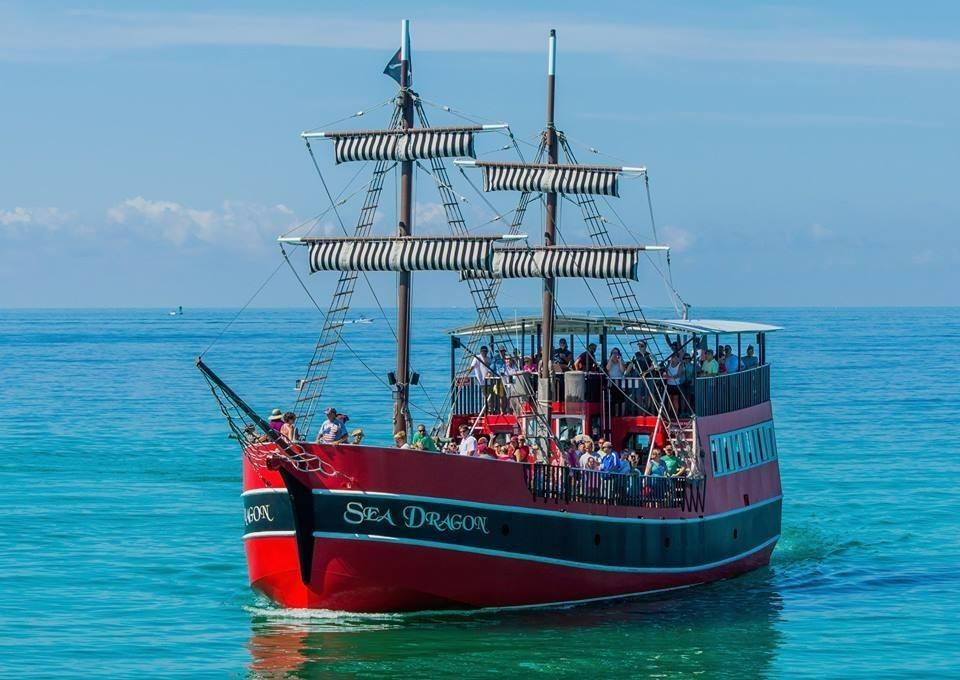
(404, 145)
(562, 179)
(585, 262)
(400, 254)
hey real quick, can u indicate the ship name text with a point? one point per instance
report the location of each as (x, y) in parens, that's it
(256, 513)
(415, 517)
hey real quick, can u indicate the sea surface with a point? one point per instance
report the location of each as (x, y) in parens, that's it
(121, 515)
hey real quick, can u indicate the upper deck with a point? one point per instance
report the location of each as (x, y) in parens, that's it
(703, 391)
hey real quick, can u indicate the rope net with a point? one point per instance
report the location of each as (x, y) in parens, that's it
(263, 447)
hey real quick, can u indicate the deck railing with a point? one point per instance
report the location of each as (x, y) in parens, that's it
(732, 391)
(495, 395)
(573, 485)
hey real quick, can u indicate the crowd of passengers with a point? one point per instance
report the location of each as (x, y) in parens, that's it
(582, 452)
(677, 371)
(642, 364)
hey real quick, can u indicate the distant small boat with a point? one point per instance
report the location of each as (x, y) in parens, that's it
(178, 312)
(362, 319)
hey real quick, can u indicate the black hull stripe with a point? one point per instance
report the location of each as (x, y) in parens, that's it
(541, 535)
(545, 560)
(536, 511)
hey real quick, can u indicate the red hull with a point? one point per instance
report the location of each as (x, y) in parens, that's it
(367, 577)
(530, 552)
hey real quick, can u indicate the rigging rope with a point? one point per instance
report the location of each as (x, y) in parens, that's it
(358, 114)
(242, 309)
(340, 337)
(343, 228)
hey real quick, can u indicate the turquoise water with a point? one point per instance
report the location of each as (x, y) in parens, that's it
(121, 515)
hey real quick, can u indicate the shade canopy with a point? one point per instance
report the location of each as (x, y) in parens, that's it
(561, 262)
(565, 325)
(399, 144)
(564, 179)
(401, 253)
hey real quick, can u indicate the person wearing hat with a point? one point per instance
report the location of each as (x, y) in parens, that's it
(332, 431)
(357, 437)
(276, 420)
(400, 440)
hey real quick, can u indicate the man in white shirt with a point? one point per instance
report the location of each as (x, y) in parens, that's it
(480, 366)
(468, 443)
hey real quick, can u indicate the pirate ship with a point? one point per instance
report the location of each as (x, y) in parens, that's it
(380, 529)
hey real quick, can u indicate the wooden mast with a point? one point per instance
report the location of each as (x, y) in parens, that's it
(401, 408)
(549, 239)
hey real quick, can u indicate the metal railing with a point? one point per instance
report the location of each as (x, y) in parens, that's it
(732, 391)
(635, 396)
(496, 395)
(574, 485)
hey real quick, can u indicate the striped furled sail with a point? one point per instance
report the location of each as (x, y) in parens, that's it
(561, 262)
(563, 179)
(401, 254)
(403, 145)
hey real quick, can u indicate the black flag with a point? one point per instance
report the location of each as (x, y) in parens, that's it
(393, 68)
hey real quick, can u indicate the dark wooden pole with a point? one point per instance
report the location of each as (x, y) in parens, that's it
(401, 411)
(550, 220)
(546, 391)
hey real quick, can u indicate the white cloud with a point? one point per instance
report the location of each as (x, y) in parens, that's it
(97, 31)
(679, 240)
(236, 224)
(22, 221)
(430, 215)
(818, 232)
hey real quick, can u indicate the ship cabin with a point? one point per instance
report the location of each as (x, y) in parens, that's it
(646, 404)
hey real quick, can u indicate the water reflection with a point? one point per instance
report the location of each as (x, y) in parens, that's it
(726, 628)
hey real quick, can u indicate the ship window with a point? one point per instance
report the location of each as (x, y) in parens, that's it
(637, 441)
(568, 428)
(742, 449)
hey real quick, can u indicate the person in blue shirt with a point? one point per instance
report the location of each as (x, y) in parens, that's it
(609, 459)
(500, 361)
(730, 360)
(749, 361)
(333, 430)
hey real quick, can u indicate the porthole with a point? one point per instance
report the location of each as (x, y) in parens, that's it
(735, 533)
(666, 541)
(596, 539)
(505, 530)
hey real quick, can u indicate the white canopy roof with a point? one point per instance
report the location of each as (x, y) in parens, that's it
(711, 326)
(616, 326)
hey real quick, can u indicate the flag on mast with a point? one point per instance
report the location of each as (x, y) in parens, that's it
(393, 68)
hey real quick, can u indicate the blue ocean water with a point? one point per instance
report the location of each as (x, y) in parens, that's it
(121, 514)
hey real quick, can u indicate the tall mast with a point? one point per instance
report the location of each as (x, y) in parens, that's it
(550, 219)
(404, 228)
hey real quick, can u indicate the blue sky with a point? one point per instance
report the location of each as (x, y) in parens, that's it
(799, 154)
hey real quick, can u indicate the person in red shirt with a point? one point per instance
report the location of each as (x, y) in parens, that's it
(521, 450)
